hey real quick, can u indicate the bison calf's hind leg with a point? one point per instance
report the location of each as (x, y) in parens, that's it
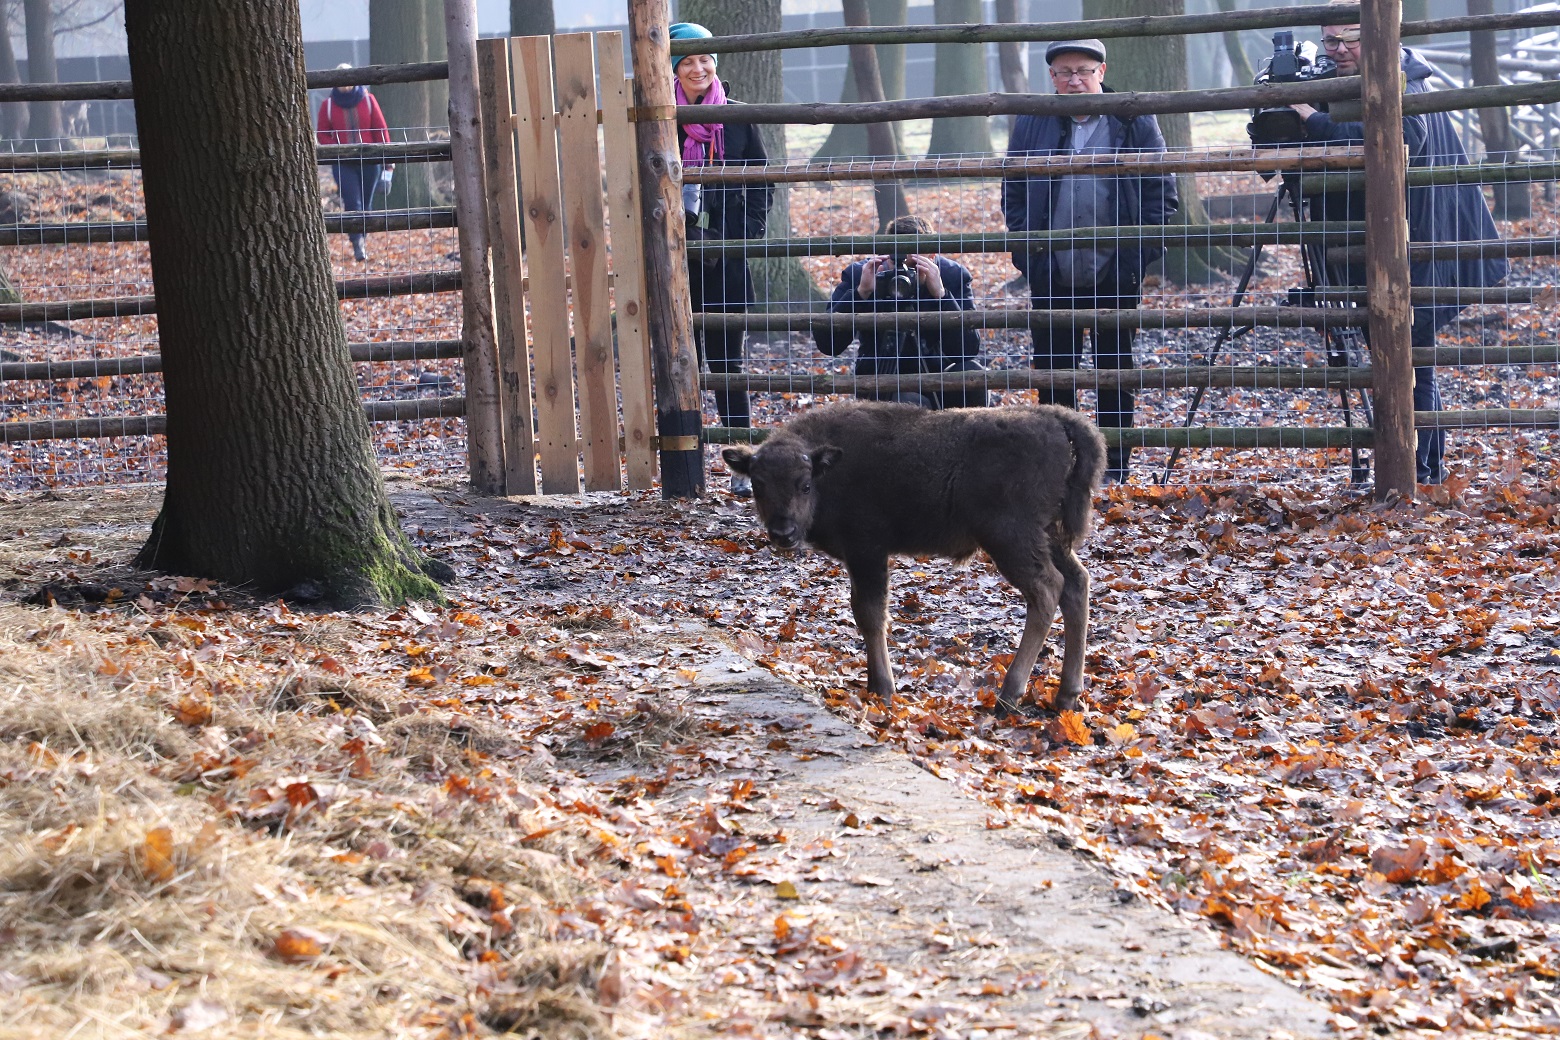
(1031, 571)
(1075, 623)
(869, 604)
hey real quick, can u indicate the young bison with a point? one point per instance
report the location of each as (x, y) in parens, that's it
(863, 480)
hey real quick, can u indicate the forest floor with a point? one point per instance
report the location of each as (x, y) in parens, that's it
(627, 781)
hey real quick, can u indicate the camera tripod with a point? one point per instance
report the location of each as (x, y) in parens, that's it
(1343, 343)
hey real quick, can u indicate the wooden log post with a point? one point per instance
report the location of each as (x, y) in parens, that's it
(1386, 246)
(484, 423)
(669, 310)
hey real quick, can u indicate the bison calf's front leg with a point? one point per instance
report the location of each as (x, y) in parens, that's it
(869, 603)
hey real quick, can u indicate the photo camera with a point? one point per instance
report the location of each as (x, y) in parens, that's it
(896, 282)
(1291, 63)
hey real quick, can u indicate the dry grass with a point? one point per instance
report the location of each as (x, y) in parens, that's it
(189, 838)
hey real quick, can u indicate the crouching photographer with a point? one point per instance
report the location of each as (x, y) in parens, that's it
(908, 283)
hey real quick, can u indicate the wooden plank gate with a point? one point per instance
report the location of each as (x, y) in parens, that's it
(573, 350)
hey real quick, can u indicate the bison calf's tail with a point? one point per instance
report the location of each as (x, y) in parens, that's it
(1084, 477)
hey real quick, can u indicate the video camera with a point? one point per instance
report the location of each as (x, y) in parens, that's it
(1291, 63)
(897, 281)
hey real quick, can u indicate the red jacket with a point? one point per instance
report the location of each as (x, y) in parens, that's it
(363, 123)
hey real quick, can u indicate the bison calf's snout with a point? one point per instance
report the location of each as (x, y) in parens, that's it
(866, 480)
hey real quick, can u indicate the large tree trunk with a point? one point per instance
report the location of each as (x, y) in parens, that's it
(272, 480)
(398, 34)
(960, 69)
(13, 115)
(43, 116)
(1159, 63)
(755, 76)
(1513, 200)
(1013, 58)
(1416, 11)
(531, 18)
(850, 139)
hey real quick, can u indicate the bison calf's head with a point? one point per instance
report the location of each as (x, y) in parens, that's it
(784, 474)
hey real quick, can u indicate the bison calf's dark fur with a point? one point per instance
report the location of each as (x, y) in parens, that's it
(864, 480)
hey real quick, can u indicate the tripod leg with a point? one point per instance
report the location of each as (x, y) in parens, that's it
(1236, 300)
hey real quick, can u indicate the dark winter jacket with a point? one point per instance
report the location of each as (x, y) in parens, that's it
(1436, 213)
(913, 349)
(1028, 202)
(734, 211)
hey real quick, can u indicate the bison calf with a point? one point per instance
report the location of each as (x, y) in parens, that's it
(862, 480)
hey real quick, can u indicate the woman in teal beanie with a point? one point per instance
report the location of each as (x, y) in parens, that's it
(719, 284)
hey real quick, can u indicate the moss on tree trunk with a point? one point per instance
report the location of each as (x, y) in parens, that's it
(272, 479)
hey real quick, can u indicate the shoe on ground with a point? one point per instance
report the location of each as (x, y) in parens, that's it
(358, 252)
(741, 486)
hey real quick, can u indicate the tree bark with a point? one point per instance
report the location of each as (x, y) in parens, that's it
(1013, 58)
(13, 116)
(1512, 200)
(1159, 63)
(1240, 63)
(960, 69)
(850, 139)
(398, 34)
(43, 117)
(888, 196)
(437, 49)
(756, 76)
(531, 18)
(272, 479)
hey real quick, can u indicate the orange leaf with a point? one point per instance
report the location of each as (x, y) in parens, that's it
(157, 854)
(596, 732)
(1475, 898)
(1400, 865)
(1069, 726)
(298, 945)
(192, 710)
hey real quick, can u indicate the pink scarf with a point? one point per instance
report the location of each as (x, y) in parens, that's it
(701, 134)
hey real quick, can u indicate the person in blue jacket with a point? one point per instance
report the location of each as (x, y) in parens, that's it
(1107, 276)
(1436, 213)
(925, 284)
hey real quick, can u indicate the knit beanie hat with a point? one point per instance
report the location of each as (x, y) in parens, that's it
(688, 31)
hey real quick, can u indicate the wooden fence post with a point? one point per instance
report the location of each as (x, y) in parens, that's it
(484, 424)
(1386, 246)
(678, 404)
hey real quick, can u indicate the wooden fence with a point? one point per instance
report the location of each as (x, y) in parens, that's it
(1380, 241)
(569, 310)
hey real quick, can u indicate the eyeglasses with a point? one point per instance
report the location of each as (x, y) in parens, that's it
(1333, 43)
(1067, 74)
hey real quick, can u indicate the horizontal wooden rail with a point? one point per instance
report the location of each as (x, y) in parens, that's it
(157, 425)
(126, 306)
(75, 232)
(1259, 160)
(142, 364)
(1548, 245)
(1014, 241)
(1103, 29)
(129, 158)
(1014, 318)
(1490, 418)
(121, 90)
(1295, 377)
(1125, 104)
(1165, 436)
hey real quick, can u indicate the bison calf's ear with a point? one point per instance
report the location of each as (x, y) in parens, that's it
(823, 458)
(739, 459)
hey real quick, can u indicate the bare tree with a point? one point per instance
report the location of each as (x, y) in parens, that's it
(1513, 200)
(960, 69)
(13, 115)
(850, 139)
(43, 116)
(1013, 58)
(1240, 63)
(398, 34)
(272, 479)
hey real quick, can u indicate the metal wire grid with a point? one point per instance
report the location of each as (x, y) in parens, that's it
(73, 237)
(1496, 354)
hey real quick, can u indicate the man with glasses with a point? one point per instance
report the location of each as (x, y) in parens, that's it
(1105, 275)
(1436, 213)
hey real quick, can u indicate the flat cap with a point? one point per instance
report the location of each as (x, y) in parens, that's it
(1093, 48)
